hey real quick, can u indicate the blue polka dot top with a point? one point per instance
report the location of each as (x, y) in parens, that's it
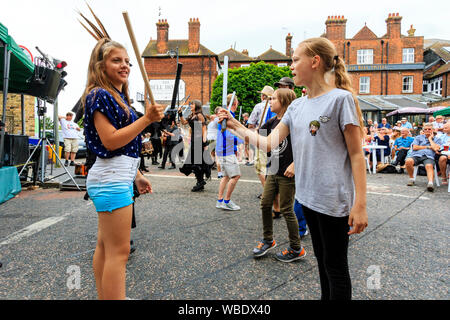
(101, 100)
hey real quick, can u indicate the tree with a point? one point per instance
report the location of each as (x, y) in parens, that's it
(247, 82)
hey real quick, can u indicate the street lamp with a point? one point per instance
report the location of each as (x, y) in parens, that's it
(172, 54)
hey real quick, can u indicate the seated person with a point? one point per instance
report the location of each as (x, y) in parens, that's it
(401, 148)
(443, 160)
(424, 149)
(382, 139)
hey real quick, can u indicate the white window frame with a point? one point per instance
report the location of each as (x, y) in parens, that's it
(410, 85)
(245, 65)
(282, 64)
(364, 56)
(364, 86)
(408, 55)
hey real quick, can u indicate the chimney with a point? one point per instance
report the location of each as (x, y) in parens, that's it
(394, 25)
(245, 51)
(162, 38)
(194, 35)
(335, 27)
(289, 45)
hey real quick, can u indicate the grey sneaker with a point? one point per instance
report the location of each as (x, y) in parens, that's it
(230, 206)
(263, 247)
(290, 255)
(410, 183)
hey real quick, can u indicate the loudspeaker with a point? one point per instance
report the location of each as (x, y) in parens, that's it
(16, 150)
(45, 84)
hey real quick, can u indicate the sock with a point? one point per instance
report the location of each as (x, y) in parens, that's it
(226, 201)
(220, 200)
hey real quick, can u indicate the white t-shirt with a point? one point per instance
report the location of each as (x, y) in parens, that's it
(211, 134)
(255, 116)
(69, 129)
(323, 173)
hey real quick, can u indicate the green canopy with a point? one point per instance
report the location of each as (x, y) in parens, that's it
(21, 67)
(443, 112)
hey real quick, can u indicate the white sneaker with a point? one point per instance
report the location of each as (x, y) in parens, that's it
(219, 205)
(430, 186)
(230, 206)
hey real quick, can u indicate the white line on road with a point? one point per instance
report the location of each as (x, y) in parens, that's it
(257, 181)
(30, 230)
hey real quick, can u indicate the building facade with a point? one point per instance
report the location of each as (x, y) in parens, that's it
(14, 114)
(437, 69)
(200, 65)
(238, 59)
(388, 65)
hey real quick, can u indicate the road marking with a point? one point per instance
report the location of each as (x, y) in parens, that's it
(258, 182)
(30, 230)
(397, 195)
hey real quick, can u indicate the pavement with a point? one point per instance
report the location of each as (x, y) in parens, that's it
(187, 249)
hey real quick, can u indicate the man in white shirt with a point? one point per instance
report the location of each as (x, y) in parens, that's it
(255, 122)
(70, 135)
(211, 136)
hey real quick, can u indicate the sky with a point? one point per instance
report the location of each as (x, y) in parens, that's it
(253, 25)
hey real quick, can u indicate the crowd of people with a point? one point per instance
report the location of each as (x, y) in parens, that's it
(283, 137)
(408, 146)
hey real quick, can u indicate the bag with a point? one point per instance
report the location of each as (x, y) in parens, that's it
(421, 171)
(386, 168)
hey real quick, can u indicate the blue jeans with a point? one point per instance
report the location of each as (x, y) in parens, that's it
(300, 218)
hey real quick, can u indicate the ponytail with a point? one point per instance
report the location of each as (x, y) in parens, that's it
(343, 81)
(330, 60)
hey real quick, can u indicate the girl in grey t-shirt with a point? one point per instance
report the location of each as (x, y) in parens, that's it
(330, 176)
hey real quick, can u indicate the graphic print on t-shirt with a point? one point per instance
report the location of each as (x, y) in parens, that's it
(314, 126)
(280, 149)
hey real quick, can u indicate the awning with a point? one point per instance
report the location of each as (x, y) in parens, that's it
(443, 112)
(21, 67)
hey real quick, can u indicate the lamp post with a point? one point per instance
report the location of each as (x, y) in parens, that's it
(172, 54)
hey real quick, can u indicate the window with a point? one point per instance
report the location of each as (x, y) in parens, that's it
(245, 65)
(408, 55)
(282, 64)
(407, 84)
(365, 56)
(364, 85)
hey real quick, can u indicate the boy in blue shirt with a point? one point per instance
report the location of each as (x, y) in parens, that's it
(226, 148)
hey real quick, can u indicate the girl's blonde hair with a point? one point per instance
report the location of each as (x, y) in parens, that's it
(285, 96)
(326, 50)
(97, 77)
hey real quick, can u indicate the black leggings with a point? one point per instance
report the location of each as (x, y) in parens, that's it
(330, 242)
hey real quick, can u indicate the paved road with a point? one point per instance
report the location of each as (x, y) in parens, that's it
(188, 249)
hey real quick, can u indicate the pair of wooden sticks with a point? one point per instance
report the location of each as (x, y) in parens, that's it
(100, 33)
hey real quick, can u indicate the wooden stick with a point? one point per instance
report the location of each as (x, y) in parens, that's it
(262, 117)
(138, 56)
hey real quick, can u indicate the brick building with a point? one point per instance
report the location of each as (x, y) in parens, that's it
(14, 114)
(388, 65)
(200, 65)
(387, 72)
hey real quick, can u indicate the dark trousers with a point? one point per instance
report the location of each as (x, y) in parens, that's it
(286, 188)
(157, 148)
(330, 243)
(401, 156)
(168, 152)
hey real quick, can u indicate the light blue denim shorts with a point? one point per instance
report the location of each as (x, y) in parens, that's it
(110, 182)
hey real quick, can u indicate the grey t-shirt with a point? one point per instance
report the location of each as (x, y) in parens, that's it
(323, 173)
